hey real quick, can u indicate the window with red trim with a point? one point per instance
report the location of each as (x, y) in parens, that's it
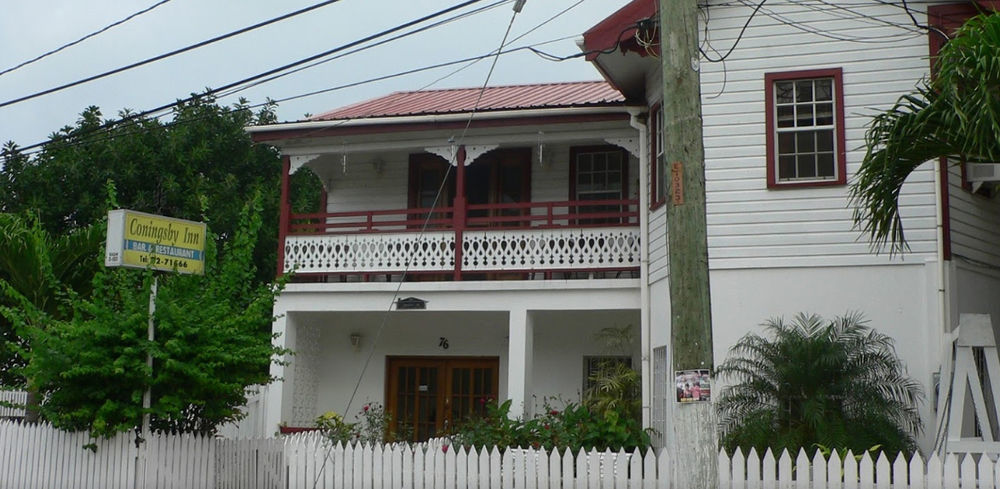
(805, 128)
(657, 164)
(598, 173)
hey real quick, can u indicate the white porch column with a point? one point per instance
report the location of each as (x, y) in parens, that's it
(519, 362)
(275, 392)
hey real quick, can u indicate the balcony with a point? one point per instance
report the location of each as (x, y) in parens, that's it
(532, 240)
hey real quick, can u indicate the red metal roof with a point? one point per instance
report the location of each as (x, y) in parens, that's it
(457, 100)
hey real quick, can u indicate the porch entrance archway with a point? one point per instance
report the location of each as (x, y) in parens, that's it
(426, 395)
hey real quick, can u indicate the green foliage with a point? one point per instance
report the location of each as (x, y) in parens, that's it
(200, 165)
(574, 427)
(834, 383)
(954, 115)
(90, 362)
(34, 266)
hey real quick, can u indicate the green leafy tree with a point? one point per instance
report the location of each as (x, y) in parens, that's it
(35, 266)
(833, 383)
(90, 362)
(202, 159)
(955, 115)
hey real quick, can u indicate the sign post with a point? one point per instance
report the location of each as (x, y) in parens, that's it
(148, 241)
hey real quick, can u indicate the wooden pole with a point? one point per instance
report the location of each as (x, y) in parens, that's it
(694, 441)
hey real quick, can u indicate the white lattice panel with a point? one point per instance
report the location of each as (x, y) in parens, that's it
(361, 253)
(551, 249)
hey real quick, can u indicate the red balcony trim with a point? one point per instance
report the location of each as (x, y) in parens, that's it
(284, 214)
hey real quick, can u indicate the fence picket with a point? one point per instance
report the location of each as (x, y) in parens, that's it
(967, 471)
(496, 463)
(753, 469)
(725, 472)
(605, 465)
(507, 469)
(883, 472)
(834, 470)
(986, 471)
(850, 471)
(950, 471)
(581, 480)
(934, 472)
(593, 463)
(450, 460)
(663, 468)
(739, 469)
(784, 470)
(568, 472)
(555, 469)
(484, 468)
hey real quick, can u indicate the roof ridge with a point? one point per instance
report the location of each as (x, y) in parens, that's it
(512, 85)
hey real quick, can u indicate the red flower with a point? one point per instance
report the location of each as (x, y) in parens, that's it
(535, 445)
(444, 448)
(482, 400)
(365, 408)
(547, 426)
(554, 412)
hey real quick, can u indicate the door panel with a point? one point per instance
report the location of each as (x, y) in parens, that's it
(426, 395)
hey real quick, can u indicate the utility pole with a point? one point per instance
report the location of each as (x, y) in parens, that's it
(694, 442)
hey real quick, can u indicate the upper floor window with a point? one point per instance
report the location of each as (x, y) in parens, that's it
(598, 173)
(805, 128)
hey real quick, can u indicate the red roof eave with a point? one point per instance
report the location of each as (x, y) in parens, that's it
(618, 26)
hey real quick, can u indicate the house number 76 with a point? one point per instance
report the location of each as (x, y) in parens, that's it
(443, 343)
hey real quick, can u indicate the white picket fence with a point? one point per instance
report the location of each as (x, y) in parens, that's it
(951, 472)
(42, 457)
(12, 403)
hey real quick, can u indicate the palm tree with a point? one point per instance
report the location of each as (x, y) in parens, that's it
(956, 115)
(35, 269)
(836, 383)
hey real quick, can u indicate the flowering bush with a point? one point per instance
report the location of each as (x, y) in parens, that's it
(373, 426)
(575, 427)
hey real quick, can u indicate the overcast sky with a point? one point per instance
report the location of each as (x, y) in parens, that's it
(28, 29)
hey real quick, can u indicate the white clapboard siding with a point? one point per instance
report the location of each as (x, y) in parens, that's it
(975, 222)
(750, 226)
(40, 456)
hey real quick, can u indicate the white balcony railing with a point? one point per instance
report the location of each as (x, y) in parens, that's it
(488, 250)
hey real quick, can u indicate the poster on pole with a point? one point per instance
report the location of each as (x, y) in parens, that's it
(693, 386)
(140, 240)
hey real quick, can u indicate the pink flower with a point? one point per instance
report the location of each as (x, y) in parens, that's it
(482, 400)
(444, 448)
(365, 408)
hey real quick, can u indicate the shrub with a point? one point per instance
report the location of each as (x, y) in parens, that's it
(836, 384)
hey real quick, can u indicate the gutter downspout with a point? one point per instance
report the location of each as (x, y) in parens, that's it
(644, 322)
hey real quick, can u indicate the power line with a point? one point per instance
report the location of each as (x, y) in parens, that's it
(738, 38)
(169, 54)
(84, 38)
(279, 69)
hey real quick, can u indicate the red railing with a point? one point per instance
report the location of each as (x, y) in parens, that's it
(522, 215)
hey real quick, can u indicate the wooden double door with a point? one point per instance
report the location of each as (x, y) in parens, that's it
(427, 395)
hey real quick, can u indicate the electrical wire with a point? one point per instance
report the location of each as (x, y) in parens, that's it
(169, 54)
(280, 69)
(84, 38)
(738, 38)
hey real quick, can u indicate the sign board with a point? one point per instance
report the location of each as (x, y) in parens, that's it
(693, 386)
(140, 240)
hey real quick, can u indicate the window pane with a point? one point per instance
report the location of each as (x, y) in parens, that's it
(824, 89)
(804, 115)
(783, 92)
(806, 166)
(824, 114)
(786, 143)
(786, 167)
(824, 140)
(806, 142)
(804, 91)
(786, 115)
(826, 165)
(583, 162)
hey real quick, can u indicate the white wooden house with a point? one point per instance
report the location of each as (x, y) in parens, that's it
(550, 225)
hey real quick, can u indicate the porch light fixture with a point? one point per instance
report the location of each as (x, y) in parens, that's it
(356, 341)
(410, 304)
